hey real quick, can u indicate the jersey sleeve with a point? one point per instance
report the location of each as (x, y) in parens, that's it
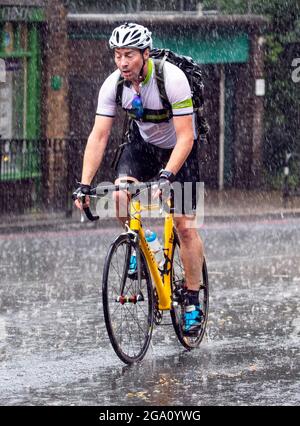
(178, 90)
(107, 96)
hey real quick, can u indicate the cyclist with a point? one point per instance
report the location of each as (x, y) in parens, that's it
(158, 145)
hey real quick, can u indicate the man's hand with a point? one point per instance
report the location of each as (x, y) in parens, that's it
(166, 175)
(165, 179)
(82, 189)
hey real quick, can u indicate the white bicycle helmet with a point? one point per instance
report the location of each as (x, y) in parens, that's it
(131, 35)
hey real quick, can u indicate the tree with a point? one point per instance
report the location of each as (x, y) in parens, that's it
(282, 111)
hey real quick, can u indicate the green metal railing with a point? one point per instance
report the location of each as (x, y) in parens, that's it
(19, 159)
(41, 174)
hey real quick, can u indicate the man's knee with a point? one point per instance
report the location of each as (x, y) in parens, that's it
(185, 231)
(121, 201)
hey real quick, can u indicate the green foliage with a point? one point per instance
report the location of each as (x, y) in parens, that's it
(282, 111)
(273, 48)
(282, 98)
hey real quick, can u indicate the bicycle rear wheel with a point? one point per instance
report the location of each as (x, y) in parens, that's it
(178, 299)
(127, 301)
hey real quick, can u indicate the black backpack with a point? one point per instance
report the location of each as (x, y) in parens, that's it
(193, 73)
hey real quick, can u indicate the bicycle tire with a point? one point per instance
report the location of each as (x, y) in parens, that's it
(127, 302)
(176, 312)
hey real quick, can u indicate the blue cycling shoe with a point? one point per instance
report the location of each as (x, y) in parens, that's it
(132, 265)
(192, 320)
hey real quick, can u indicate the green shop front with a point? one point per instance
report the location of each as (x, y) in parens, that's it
(20, 91)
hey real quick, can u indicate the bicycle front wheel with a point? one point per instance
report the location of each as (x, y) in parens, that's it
(127, 301)
(178, 299)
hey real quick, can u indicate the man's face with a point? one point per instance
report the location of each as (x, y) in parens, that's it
(129, 61)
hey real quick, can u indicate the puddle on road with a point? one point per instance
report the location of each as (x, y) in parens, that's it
(54, 349)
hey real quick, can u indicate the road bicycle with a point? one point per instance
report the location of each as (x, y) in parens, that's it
(133, 303)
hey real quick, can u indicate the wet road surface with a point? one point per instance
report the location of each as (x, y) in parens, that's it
(54, 349)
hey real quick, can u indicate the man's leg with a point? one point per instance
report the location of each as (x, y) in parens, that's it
(191, 251)
(122, 199)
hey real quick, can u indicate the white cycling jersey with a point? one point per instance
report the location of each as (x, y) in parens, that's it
(178, 92)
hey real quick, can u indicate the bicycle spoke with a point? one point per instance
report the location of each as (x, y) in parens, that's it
(128, 318)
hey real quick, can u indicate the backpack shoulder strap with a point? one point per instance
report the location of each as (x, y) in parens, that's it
(159, 73)
(119, 93)
(120, 85)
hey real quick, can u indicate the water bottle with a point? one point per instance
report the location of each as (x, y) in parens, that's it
(155, 247)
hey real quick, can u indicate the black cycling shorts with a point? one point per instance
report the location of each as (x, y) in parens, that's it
(144, 161)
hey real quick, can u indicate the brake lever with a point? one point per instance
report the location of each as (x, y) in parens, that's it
(163, 201)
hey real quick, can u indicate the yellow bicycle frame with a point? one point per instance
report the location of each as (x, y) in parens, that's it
(162, 281)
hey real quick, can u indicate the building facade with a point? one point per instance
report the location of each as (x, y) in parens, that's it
(55, 57)
(230, 50)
